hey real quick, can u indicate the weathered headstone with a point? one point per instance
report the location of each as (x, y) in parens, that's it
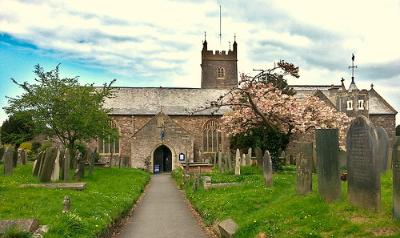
(37, 163)
(227, 228)
(229, 160)
(1, 152)
(304, 174)
(23, 157)
(55, 175)
(67, 161)
(248, 157)
(267, 169)
(8, 161)
(62, 163)
(67, 204)
(327, 141)
(243, 160)
(259, 156)
(220, 161)
(48, 164)
(364, 187)
(207, 182)
(80, 170)
(15, 156)
(282, 158)
(92, 161)
(396, 177)
(383, 148)
(237, 162)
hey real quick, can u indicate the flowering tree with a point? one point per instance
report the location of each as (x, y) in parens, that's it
(258, 102)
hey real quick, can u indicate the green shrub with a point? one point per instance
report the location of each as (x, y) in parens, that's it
(46, 144)
(27, 146)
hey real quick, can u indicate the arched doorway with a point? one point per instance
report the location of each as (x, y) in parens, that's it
(162, 160)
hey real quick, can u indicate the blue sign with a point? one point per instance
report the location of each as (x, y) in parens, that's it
(156, 168)
(181, 157)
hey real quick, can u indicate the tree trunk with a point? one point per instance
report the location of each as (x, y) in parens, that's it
(72, 155)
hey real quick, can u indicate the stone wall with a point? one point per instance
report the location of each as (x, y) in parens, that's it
(129, 125)
(388, 122)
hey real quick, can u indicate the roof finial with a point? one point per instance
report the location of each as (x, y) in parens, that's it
(342, 80)
(372, 86)
(352, 67)
(205, 36)
(229, 45)
(220, 27)
(234, 37)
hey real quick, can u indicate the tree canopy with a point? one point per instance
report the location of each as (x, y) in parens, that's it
(64, 108)
(266, 101)
(17, 129)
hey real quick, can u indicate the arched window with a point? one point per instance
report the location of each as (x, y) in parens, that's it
(220, 72)
(211, 136)
(108, 145)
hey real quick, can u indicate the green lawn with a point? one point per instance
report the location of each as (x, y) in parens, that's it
(279, 212)
(109, 194)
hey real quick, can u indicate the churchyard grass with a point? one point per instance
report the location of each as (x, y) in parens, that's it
(278, 211)
(109, 194)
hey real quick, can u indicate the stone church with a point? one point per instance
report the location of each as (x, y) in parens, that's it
(157, 133)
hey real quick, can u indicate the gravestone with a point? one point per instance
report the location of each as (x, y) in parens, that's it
(259, 156)
(396, 177)
(267, 169)
(220, 161)
(327, 141)
(229, 160)
(48, 164)
(80, 170)
(304, 174)
(55, 175)
(1, 152)
(243, 160)
(15, 156)
(383, 149)
(364, 187)
(67, 164)
(92, 161)
(248, 157)
(283, 155)
(37, 164)
(282, 158)
(62, 163)
(237, 162)
(23, 157)
(8, 161)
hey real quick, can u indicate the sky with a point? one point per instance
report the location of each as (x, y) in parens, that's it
(158, 43)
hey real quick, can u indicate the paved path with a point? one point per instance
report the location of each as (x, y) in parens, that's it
(162, 212)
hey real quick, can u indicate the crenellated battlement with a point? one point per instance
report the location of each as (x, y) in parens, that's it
(219, 55)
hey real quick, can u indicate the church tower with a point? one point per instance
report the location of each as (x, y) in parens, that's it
(219, 68)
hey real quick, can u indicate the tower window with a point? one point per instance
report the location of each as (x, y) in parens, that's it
(220, 72)
(361, 104)
(350, 105)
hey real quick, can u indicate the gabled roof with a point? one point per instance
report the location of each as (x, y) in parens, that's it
(378, 105)
(173, 101)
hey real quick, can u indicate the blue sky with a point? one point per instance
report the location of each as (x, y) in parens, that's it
(158, 42)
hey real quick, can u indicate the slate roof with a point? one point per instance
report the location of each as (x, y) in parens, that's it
(181, 101)
(174, 101)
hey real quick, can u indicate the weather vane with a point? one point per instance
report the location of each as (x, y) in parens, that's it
(352, 67)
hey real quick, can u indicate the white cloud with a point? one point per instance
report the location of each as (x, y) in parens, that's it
(162, 39)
